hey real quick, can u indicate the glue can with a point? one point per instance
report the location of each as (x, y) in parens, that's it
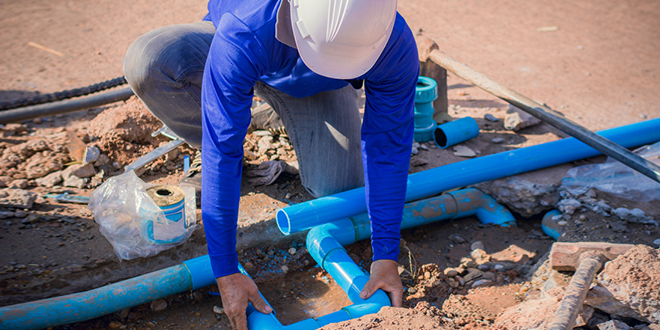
(171, 229)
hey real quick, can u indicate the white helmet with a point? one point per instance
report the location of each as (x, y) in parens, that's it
(341, 39)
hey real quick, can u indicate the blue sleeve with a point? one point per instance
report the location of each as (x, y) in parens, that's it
(387, 135)
(235, 62)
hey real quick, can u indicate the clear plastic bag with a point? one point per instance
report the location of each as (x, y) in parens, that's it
(615, 178)
(133, 223)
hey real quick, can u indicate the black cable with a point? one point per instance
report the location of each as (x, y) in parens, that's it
(67, 94)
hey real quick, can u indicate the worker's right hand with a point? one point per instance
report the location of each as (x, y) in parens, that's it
(236, 291)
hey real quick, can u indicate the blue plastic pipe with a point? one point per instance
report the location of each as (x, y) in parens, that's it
(190, 275)
(550, 226)
(426, 92)
(455, 132)
(434, 181)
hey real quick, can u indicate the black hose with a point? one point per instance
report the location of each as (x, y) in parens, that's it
(67, 94)
(66, 106)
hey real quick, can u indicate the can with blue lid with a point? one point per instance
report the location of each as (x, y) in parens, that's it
(171, 228)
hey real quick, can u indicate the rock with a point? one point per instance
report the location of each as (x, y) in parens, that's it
(463, 151)
(478, 245)
(481, 283)
(6, 214)
(124, 313)
(417, 161)
(85, 171)
(5, 180)
(517, 119)
(497, 140)
(292, 251)
(450, 272)
(472, 274)
(71, 180)
(489, 275)
(414, 151)
(635, 216)
(627, 286)
(613, 325)
(468, 263)
(50, 180)
(284, 268)
(115, 325)
(480, 256)
(91, 155)
(102, 160)
(657, 242)
(569, 205)
(20, 184)
(521, 195)
(457, 239)
(14, 129)
(265, 144)
(218, 310)
(490, 117)
(42, 164)
(158, 305)
(17, 198)
(32, 218)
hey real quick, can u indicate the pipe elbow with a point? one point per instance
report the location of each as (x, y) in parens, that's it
(472, 201)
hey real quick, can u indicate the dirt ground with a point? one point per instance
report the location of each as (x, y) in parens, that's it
(594, 61)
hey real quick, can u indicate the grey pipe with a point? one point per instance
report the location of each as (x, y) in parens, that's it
(66, 106)
(549, 116)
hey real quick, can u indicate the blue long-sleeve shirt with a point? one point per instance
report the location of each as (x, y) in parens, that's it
(245, 50)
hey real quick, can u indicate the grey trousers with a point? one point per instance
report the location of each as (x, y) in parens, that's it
(165, 67)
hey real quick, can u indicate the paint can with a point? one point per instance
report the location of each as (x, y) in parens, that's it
(171, 229)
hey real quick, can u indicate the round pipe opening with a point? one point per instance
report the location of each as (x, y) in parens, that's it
(163, 192)
(283, 222)
(440, 138)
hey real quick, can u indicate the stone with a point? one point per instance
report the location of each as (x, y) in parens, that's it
(489, 275)
(468, 262)
(490, 117)
(218, 310)
(472, 274)
(497, 140)
(478, 245)
(102, 160)
(42, 164)
(6, 214)
(158, 305)
(414, 151)
(284, 268)
(20, 184)
(463, 151)
(613, 325)
(292, 251)
(657, 242)
(18, 198)
(115, 325)
(85, 171)
(5, 180)
(569, 205)
(91, 155)
(565, 256)
(450, 272)
(265, 144)
(627, 286)
(32, 218)
(635, 215)
(527, 197)
(483, 282)
(124, 313)
(517, 119)
(50, 180)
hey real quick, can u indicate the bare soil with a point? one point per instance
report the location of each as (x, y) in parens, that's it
(594, 61)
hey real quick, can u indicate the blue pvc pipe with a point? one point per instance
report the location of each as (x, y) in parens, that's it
(455, 132)
(426, 92)
(87, 305)
(434, 181)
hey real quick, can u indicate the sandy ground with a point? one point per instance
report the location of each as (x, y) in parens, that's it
(594, 61)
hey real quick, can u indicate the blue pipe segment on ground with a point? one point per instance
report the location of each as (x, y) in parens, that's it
(431, 182)
(455, 132)
(426, 92)
(87, 305)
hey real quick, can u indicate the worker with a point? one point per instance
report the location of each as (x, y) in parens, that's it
(306, 59)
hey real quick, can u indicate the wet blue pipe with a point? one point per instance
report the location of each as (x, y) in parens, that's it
(431, 182)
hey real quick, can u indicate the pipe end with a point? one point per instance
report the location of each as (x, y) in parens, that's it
(283, 222)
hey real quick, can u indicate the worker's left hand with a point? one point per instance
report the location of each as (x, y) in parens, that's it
(384, 276)
(269, 171)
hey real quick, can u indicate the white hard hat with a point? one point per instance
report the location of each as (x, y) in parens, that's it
(341, 39)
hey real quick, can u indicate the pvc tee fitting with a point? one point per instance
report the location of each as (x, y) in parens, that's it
(425, 93)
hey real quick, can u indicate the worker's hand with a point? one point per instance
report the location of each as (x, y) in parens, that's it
(385, 276)
(236, 291)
